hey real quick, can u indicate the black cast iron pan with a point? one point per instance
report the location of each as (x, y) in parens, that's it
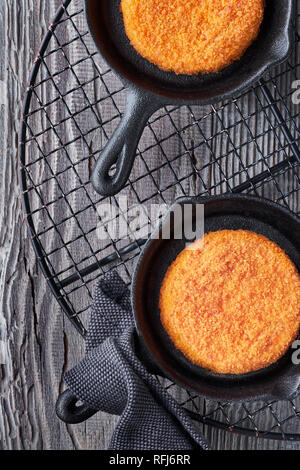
(233, 212)
(149, 88)
(278, 381)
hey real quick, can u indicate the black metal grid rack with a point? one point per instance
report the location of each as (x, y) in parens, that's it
(72, 105)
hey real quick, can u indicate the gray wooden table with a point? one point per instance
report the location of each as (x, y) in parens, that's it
(40, 344)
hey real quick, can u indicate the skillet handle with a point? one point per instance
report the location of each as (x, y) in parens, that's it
(288, 385)
(68, 411)
(286, 388)
(121, 148)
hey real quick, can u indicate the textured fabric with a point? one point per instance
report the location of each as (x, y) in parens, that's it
(111, 378)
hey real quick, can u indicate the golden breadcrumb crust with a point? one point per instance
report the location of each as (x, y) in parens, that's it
(192, 36)
(234, 305)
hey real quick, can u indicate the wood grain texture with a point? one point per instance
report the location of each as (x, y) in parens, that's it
(40, 344)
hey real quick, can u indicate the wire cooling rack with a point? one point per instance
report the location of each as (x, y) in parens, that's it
(72, 105)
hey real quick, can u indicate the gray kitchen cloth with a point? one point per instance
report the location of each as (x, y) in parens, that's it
(112, 379)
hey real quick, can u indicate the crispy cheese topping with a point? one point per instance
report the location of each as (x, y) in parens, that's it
(192, 36)
(234, 305)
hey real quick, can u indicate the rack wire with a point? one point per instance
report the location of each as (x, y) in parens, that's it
(72, 105)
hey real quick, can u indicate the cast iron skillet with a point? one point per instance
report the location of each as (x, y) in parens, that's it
(149, 88)
(278, 381)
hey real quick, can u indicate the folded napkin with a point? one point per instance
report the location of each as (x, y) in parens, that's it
(111, 378)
